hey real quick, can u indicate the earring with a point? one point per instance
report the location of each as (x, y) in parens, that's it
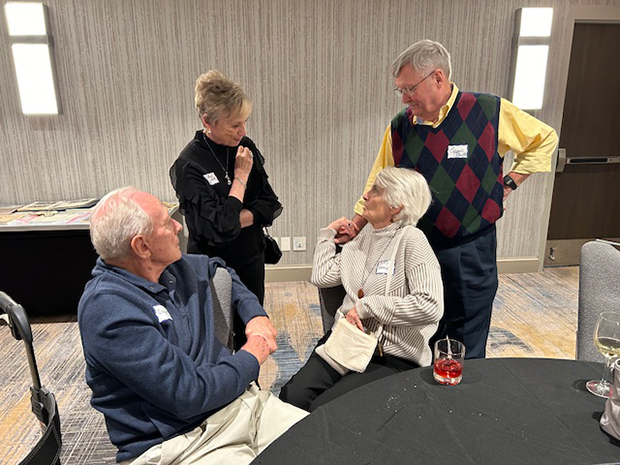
(208, 132)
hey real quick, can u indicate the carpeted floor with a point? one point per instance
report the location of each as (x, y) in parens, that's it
(535, 315)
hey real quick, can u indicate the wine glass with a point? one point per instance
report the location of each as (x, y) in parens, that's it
(607, 341)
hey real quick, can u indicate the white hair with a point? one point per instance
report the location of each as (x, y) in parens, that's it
(114, 222)
(408, 188)
(424, 57)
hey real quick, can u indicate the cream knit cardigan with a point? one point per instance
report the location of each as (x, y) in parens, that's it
(410, 310)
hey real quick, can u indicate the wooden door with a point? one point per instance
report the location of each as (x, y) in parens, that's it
(586, 194)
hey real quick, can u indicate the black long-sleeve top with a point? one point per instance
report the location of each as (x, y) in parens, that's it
(212, 216)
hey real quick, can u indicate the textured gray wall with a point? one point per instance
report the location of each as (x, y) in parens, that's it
(316, 70)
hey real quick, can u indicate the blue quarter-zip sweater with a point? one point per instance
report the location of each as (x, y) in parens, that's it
(153, 362)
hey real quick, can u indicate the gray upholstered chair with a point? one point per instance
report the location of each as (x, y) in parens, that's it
(599, 291)
(331, 299)
(221, 290)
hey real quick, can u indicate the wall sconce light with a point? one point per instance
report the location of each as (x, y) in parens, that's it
(31, 44)
(532, 38)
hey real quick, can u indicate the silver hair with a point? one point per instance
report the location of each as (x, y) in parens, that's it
(407, 188)
(114, 222)
(424, 57)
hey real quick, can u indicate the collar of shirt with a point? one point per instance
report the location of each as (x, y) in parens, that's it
(443, 111)
(166, 280)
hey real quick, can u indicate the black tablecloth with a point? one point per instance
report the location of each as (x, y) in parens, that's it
(522, 411)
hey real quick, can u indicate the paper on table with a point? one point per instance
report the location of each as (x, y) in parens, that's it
(8, 209)
(58, 205)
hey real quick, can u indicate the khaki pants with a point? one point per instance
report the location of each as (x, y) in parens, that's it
(234, 435)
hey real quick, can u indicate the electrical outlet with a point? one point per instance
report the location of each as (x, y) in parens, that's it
(285, 243)
(299, 243)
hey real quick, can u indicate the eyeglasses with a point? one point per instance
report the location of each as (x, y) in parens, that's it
(411, 89)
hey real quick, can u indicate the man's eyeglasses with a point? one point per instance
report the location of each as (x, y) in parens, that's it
(411, 89)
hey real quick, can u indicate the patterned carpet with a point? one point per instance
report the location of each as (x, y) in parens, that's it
(535, 315)
(294, 310)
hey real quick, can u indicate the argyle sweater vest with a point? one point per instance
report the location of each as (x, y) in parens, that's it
(459, 159)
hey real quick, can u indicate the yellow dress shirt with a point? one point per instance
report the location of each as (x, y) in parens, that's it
(532, 141)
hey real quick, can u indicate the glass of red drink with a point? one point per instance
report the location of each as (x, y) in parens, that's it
(448, 366)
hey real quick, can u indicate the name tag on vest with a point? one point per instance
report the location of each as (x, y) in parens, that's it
(457, 151)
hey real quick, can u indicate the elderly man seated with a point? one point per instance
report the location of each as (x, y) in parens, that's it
(170, 391)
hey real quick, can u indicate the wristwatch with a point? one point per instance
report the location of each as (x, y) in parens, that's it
(508, 181)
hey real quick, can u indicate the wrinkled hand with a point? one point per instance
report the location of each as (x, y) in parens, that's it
(243, 163)
(345, 230)
(261, 326)
(353, 318)
(257, 346)
(507, 191)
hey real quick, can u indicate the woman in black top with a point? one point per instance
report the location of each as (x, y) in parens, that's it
(221, 183)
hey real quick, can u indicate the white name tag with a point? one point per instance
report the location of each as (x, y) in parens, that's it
(211, 178)
(383, 266)
(457, 151)
(161, 313)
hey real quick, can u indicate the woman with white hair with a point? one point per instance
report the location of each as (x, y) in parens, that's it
(393, 289)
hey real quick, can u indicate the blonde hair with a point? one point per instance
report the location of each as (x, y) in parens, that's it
(218, 96)
(114, 222)
(407, 188)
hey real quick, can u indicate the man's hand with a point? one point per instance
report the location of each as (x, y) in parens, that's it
(353, 318)
(507, 191)
(261, 326)
(257, 346)
(348, 229)
(518, 178)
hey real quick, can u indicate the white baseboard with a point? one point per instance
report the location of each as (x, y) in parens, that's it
(287, 273)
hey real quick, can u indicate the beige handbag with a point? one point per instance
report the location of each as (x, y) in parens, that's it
(349, 348)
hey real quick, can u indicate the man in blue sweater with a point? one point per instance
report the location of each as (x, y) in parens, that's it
(170, 391)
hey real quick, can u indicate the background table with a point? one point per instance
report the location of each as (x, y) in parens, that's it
(44, 266)
(521, 411)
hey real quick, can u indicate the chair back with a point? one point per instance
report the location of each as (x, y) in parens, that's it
(599, 291)
(331, 299)
(221, 290)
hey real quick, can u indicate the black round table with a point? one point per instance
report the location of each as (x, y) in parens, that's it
(506, 410)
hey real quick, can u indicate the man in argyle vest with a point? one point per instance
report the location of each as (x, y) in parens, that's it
(458, 140)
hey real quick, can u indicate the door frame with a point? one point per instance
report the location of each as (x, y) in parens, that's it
(576, 14)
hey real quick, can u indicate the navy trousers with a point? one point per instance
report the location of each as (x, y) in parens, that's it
(469, 274)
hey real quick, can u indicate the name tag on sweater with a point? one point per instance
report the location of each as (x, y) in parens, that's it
(382, 267)
(457, 151)
(161, 313)
(211, 178)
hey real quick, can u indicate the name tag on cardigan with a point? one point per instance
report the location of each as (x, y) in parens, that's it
(161, 313)
(211, 178)
(383, 266)
(457, 151)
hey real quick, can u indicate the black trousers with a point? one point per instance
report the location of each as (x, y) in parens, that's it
(316, 383)
(469, 274)
(253, 276)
